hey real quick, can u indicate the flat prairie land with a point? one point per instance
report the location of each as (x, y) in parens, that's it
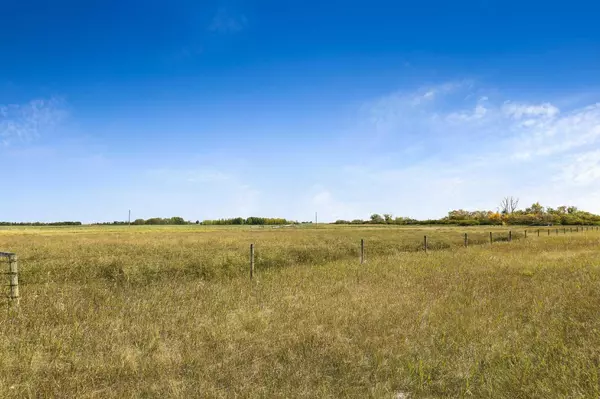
(113, 312)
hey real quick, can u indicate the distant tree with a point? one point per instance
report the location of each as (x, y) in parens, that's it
(376, 218)
(387, 217)
(177, 220)
(508, 205)
(536, 209)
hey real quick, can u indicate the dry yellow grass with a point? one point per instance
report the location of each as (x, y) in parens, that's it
(170, 312)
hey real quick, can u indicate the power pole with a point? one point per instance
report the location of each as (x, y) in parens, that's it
(316, 219)
(129, 219)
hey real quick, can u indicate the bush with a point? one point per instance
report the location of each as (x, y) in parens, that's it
(468, 223)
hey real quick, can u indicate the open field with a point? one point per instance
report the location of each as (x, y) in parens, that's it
(170, 311)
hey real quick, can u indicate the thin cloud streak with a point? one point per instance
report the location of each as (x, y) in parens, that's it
(226, 23)
(474, 147)
(26, 122)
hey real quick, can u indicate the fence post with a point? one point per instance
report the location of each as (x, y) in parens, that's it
(362, 251)
(538, 232)
(13, 271)
(425, 243)
(509, 235)
(491, 239)
(466, 240)
(556, 231)
(548, 231)
(564, 230)
(525, 234)
(251, 261)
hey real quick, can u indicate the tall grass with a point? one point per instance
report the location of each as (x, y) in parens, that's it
(171, 312)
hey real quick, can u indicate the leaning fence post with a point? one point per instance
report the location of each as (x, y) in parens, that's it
(466, 240)
(251, 261)
(362, 251)
(13, 271)
(425, 243)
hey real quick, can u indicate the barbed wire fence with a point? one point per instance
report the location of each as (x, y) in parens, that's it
(13, 260)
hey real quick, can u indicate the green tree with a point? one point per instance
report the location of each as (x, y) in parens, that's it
(377, 219)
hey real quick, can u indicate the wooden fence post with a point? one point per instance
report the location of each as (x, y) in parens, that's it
(556, 231)
(362, 251)
(548, 231)
(538, 232)
(251, 261)
(466, 240)
(525, 234)
(425, 243)
(509, 235)
(13, 271)
(491, 239)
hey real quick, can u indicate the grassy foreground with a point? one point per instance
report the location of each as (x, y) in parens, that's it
(171, 312)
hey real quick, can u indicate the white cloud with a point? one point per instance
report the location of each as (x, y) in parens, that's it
(582, 169)
(473, 147)
(518, 111)
(552, 133)
(226, 22)
(479, 112)
(25, 122)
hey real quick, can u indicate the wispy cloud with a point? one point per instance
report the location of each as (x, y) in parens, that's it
(25, 122)
(469, 146)
(225, 21)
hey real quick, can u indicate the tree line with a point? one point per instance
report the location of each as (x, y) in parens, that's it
(40, 224)
(252, 220)
(507, 214)
(177, 220)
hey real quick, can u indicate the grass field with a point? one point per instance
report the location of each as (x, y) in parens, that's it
(170, 312)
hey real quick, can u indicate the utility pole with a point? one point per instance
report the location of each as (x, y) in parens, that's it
(316, 219)
(129, 219)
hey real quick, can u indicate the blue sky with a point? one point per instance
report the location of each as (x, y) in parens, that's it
(226, 108)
